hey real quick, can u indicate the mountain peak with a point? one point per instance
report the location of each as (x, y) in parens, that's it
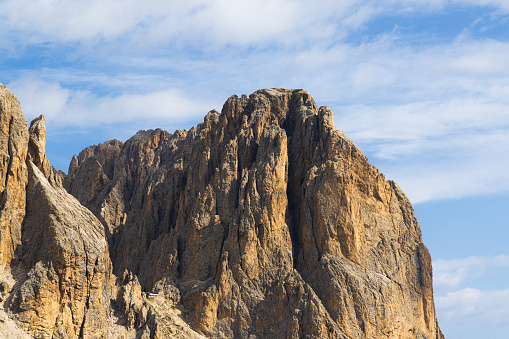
(263, 221)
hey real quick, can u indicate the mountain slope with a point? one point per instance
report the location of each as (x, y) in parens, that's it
(264, 221)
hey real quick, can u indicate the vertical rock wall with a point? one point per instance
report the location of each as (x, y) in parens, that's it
(52, 247)
(264, 221)
(13, 174)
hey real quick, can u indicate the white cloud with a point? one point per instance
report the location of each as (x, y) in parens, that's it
(427, 119)
(448, 180)
(434, 5)
(474, 306)
(200, 22)
(63, 106)
(221, 21)
(502, 5)
(460, 124)
(421, 114)
(451, 274)
(62, 20)
(465, 311)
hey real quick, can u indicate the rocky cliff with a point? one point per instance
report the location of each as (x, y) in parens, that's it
(55, 261)
(264, 221)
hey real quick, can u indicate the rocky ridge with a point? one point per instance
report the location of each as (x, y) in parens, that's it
(56, 276)
(262, 221)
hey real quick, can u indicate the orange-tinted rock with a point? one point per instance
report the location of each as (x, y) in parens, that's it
(67, 289)
(13, 174)
(52, 247)
(264, 221)
(268, 222)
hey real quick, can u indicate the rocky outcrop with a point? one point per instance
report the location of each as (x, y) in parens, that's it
(17, 144)
(262, 221)
(56, 270)
(37, 151)
(67, 289)
(13, 174)
(148, 315)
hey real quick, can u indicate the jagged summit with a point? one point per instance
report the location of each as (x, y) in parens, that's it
(263, 221)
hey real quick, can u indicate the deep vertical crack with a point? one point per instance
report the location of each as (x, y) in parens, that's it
(87, 302)
(11, 155)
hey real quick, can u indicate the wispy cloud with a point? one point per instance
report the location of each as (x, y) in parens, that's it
(464, 175)
(65, 107)
(222, 21)
(502, 5)
(200, 22)
(451, 274)
(468, 297)
(474, 306)
(435, 118)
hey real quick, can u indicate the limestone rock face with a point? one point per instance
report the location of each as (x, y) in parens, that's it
(13, 174)
(56, 274)
(264, 221)
(67, 288)
(17, 144)
(37, 151)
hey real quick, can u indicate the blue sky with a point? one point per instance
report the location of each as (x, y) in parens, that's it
(422, 86)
